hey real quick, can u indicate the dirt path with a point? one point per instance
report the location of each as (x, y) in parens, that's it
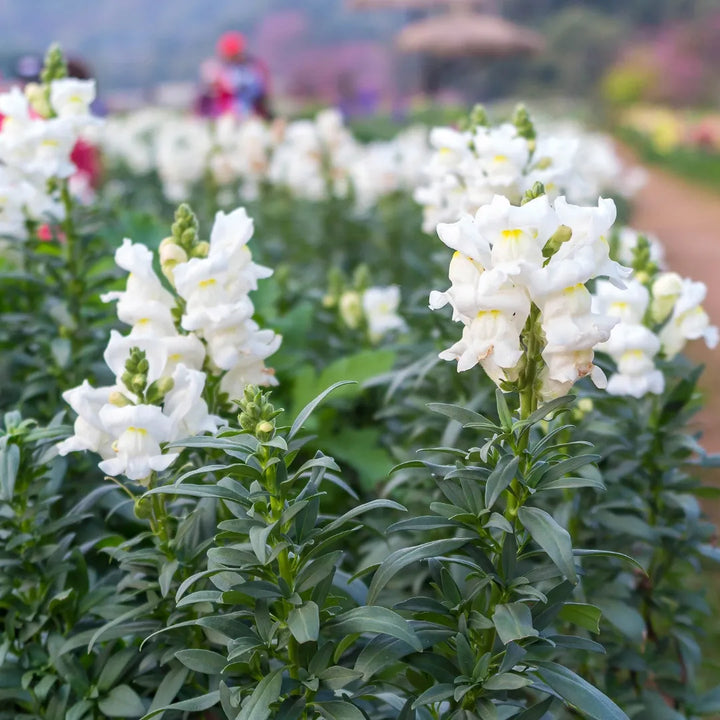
(686, 218)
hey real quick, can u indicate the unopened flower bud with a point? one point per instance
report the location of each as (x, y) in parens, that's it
(201, 250)
(118, 399)
(143, 508)
(264, 430)
(351, 308)
(521, 120)
(55, 67)
(156, 392)
(38, 98)
(560, 236)
(665, 292)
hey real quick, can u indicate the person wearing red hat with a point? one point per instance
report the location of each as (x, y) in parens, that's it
(238, 83)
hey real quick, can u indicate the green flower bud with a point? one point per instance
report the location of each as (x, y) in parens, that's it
(257, 413)
(143, 508)
(201, 250)
(158, 390)
(55, 67)
(521, 120)
(537, 190)
(185, 228)
(560, 236)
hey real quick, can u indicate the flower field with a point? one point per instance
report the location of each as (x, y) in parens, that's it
(299, 427)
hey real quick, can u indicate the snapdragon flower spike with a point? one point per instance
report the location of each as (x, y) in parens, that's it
(688, 320)
(510, 259)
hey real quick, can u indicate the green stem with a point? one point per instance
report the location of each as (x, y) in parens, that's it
(75, 290)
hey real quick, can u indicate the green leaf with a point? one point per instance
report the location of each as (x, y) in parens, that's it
(166, 576)
(506, 681)
(555, 472)
(9, 464)
(361, 509)
(339, 710)
(572, 483)
(462, 415)
(624, 617)
(206, 662)
(536, 712)
(337, 677)
(609, 553)
(581, 614)
(399, 559)
(304, 622)
(197, 704)
(266, 692)
(513, 621)
(501, 476)
(114, 668)
(122, 702)
(551, 537)
(578, 692)
(305, 413)
(258, 541)
(437, 693)
(503, 410)
(544, 410)
(169, 687)
(375, 619)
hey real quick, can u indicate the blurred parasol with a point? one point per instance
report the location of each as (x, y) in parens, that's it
(467, 33)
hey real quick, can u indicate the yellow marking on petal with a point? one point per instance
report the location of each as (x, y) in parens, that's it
(143, 321)
(619, 305)
(573, 289)
(139, 431)
(175, 357)
(489, 313)
(444, 151)
(207, 283)
(50, 142)
(632, 355)
(514, 234)
(500, 158)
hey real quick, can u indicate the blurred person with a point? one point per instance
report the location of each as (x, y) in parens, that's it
(235, 82)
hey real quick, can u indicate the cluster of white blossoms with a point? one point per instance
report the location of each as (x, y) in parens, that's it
(38, 132)
(162, 366)
(375, 308)
(655, 322)
(469, 167)
(312, 159)
(512, 263)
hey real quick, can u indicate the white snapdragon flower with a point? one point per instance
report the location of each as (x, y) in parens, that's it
(89, 431)
(499, 270)
(380, 307)
(492, 340)
(70, 97)
(185, 405)
(629, 304)
(634, 347)
(500, 157)
(139, 430)
(688, 321)
(145, 303)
